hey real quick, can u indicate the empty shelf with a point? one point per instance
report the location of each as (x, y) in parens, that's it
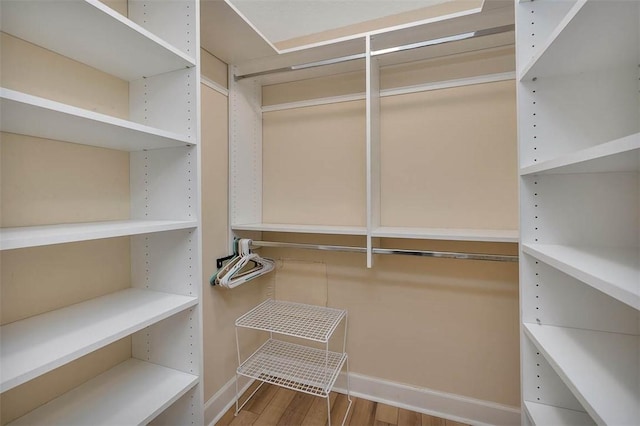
(543, 415)
(615, 272)
(132, 393)
(33, 236)
(302, 229)
(453, 234)
(293, 319)
(94, 34)
(34, 116)
(606, 27)
(600, 368)
(620, 155)
(296, 367)
(39, 344)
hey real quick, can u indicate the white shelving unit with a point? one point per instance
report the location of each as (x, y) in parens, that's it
(294, 366)
(156, 50)
(579, 123)
(245, 123)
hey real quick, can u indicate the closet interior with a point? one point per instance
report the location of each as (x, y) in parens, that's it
(397, 174)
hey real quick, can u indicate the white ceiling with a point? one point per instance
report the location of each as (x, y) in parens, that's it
(280, 20)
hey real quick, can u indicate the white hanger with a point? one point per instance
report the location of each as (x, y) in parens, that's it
(229, 276)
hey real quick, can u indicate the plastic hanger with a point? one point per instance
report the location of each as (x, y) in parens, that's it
(234, 274)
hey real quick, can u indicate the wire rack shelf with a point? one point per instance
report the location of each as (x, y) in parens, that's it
(297, 367)
(316, 323)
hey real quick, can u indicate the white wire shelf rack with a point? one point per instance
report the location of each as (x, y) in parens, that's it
(316, 323)
(296, 367)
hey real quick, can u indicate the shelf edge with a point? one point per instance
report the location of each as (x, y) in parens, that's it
(128, 228)
(617, 146)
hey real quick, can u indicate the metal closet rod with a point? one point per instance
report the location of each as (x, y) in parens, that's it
(423, 253)
(411, 46)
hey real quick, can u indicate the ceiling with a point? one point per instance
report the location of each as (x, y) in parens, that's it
(255, 35)
(280, 20)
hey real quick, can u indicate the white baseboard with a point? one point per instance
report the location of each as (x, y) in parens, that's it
(436, 403)
(222, 400)
(440, 404)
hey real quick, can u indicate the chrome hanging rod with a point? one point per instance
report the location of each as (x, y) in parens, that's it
(411, 46)
(309, 65)
(423, 253)
(449, 39)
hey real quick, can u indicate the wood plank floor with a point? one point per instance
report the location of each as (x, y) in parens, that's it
(273, 405)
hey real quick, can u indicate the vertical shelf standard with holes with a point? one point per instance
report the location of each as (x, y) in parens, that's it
(293, 366)
(579, 142)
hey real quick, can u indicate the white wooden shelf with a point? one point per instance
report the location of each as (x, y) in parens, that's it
(34, 236)
(297, 367)
(309, 322)
(600, 368)
(131, 393)
(602, 26)
(451, 234)
(34, 116)
(621, 155)
(39, 344)
(302, 229)
(92, 33)
(613, 271)
(544, 415)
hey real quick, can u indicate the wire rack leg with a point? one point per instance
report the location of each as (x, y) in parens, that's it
(248, 398)
(237, 375)
(348, 393)
(237, 395)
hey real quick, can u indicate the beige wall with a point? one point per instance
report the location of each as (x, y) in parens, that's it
(314, 165)
(489, 61)
(449, 158)
(213, 68)
(335, 85)
(220, 307)
(119, 6)
(442, 324)
(31, 69)
(46, 182)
